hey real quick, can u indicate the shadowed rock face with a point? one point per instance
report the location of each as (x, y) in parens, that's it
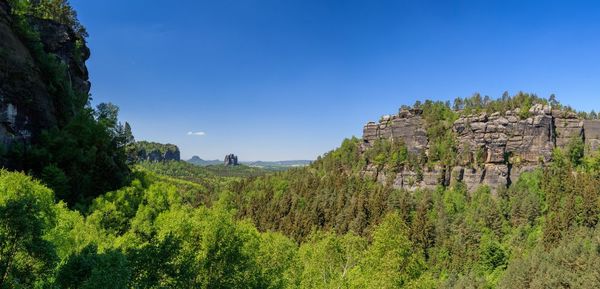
(508, 145)
(231, 160)
(27, 105)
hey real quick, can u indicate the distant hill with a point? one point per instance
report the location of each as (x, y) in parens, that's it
(278, 165)
(196, 160)
(275, 165)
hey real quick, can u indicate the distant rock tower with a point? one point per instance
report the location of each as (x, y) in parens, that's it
(231, 160)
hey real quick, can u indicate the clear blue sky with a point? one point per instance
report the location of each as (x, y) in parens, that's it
(275, 79)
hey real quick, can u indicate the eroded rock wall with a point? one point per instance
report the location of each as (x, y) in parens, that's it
(27, 105)
(493, 149)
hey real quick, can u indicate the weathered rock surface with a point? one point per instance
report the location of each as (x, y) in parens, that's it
(592, 134)
(407, 126)
(27, 105)
(567, 126)
(493, 149)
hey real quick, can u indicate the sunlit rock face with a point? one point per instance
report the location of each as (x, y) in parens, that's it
(495, 148)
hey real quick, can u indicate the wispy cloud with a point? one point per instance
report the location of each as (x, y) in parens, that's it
(197, 133)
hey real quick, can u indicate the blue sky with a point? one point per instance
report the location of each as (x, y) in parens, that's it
(277, 80)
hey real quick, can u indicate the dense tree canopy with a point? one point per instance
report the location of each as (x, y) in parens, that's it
(156, 233)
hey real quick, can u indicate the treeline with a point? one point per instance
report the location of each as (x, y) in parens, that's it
(523, 101)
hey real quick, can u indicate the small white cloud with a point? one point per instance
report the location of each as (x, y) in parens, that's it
(197, 133)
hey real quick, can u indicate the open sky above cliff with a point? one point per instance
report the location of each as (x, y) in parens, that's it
(274, 80)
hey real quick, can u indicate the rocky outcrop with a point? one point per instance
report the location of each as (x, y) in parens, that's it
(27, 101)
(493, 149)
(408, 126)
(154, 152)
(231, 160)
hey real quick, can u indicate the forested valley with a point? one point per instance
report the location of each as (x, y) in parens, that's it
(78, 211)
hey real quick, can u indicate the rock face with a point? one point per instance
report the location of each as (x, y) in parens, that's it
(407, 126)
(493, 149)
(231, 160)
(592, 134)
(155, 152)
(27, 103)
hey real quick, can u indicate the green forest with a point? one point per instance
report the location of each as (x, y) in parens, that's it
(315, 227)
(77, 212)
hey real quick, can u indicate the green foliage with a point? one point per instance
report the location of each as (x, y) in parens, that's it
(239, 171)
(570, 264)
(576, 149)
(56, 10)
(323, 226)
(90, 269)
(522, 101)
(26, 214)
(328, 260)
(66, 101)
(391, 155)
(439, 118)
(347, 232)
(391, 261)
(148, 147)
(347, 158)
(322, 195)
(80, 161)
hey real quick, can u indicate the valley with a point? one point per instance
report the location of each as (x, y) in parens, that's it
(464, 192)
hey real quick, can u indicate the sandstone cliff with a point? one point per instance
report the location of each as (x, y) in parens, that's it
(231, 160)
(492, 149)
(154, 152)
(29, 100)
